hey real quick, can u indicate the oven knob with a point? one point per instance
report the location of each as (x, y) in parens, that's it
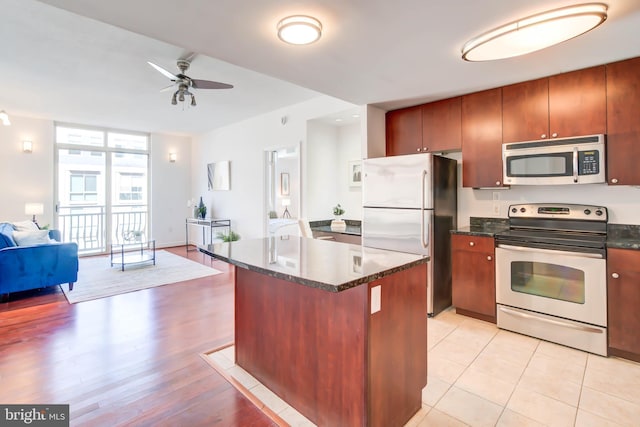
(514, 210)
(599, 212)
(523, 210)
(587, 212)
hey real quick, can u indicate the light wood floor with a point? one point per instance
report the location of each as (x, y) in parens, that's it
(132, 359)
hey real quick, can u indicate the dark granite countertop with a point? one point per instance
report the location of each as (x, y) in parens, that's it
(354, 227)
(486, 227)
(622, 236)
(327, 265)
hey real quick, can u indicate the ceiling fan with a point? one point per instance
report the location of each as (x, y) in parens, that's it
(184, 83)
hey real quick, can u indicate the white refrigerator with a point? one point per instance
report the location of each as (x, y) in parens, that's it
(410, 205)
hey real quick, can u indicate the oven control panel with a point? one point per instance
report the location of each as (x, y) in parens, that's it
(558, 211)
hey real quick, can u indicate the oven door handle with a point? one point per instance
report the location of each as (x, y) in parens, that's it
(550, 251)
(551, 321)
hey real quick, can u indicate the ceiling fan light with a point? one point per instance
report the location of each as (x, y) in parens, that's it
(535, 32)
(299, 29)
(181, 96)
(174, 101)
(193, 100)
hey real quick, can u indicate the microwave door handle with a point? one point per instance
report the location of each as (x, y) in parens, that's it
(423, 187)
(575, 164)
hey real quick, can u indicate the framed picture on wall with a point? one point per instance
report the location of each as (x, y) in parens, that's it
(355, 173)
(284, 184)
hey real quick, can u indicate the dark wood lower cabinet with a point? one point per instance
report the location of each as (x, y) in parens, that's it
(623, 294)
(325, 353)
(473, 274)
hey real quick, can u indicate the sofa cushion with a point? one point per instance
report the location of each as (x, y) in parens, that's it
(6, 235)
(30, 238)
(25, 226)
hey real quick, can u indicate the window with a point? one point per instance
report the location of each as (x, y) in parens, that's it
(131, 187)
(102, 185)
(83, 186)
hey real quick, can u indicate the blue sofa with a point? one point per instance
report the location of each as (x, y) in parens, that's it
(35, 266)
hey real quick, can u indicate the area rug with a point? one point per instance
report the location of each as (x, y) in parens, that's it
(97, 279)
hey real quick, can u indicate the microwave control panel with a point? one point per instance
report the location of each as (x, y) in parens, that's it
(588, 162)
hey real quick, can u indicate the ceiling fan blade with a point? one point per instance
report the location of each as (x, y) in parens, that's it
(168, 88)
(163, 71)
(208, 84)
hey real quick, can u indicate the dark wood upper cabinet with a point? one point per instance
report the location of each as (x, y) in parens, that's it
(565, 105)
(482, 139)
(404, 131)
(441, 123)
(525, 111)
(578, 103)
(623, 122)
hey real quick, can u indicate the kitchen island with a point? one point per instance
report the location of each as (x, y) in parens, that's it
(338, 331)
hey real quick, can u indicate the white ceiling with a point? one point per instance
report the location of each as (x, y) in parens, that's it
(58, 65)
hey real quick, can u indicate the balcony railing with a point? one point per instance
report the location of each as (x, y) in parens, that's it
(86, 225)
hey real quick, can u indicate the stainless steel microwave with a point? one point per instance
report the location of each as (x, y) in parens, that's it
(559, 161)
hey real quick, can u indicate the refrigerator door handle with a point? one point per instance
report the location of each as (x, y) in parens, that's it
(423, 240)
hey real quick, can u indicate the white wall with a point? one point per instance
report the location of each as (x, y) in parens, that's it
(331, 148)
(26, 177)
(349, 149)
(29, 177)
(622, 202)
(243, 144)
(321, 173)
(170, 188)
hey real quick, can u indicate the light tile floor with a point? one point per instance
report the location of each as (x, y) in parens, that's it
(480, 375)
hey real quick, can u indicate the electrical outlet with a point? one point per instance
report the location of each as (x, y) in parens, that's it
(496, 208)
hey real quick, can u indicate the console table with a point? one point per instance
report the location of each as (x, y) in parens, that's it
(204, 223)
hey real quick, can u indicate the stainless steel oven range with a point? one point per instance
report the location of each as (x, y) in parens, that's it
(551, 274)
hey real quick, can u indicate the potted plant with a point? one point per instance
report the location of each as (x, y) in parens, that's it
(338, 224)
(231, 237)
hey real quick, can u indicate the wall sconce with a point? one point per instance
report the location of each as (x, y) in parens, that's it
(27, 146)
(4, 118)
(173, 157)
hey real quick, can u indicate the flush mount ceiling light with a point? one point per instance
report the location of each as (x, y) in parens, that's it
(535, 32)
(299, 29)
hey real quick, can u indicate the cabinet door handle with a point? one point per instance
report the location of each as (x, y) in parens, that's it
(419, 149)
(497, 182)
(615, 275)
(554, 135)
(543, 136)
(489, 258)
(471, 244)
(614, 180)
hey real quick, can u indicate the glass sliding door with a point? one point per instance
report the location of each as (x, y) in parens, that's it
(102, 184)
